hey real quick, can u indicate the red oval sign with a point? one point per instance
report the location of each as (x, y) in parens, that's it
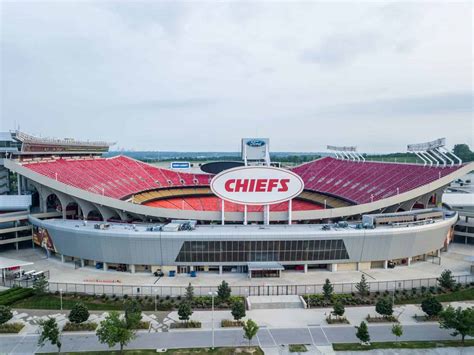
(257, 185)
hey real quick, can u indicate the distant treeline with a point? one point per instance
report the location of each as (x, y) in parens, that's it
(461, 150)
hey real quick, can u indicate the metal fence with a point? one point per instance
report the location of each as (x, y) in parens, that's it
(237, 290)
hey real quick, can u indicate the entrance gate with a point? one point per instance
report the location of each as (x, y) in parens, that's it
(273, 290)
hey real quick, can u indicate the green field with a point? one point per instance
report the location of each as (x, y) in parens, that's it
(402, 345)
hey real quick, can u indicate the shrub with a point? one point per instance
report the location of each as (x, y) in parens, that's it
(75, 327)
(188, 324)
(228, 323)
(79, 313)
(238, 310)
(431, 306)
(5, 314)
(11, 327)
(384, 307)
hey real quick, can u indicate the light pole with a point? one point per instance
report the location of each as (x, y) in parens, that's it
(61, 298)
(212, 294)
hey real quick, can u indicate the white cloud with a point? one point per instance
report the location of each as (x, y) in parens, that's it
(163, 75)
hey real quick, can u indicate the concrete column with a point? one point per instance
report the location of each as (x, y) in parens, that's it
(132, 269)
(62, 258)
(305, 268)
(105, 266)
(358, 266)
(83, 263)
(438, 252)
(220, 269)
(385, 264)
(18, 182)
(409, 261)
(333, 267)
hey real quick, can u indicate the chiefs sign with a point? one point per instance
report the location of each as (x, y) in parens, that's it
(257, 185)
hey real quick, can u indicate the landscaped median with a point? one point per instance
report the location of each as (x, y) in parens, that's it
(199, 351)
(402, 345)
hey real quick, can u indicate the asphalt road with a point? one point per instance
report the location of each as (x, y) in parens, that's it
(266, 337)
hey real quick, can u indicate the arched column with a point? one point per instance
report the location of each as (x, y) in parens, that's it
(107, 213)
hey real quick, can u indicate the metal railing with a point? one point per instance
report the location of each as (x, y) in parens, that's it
(237, 290)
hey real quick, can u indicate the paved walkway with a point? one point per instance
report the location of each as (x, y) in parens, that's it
(317, 336)
(454, 260)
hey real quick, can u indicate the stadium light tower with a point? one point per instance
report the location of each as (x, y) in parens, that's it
(434, 152)
(346, 153)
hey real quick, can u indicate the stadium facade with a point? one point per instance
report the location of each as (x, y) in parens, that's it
(346, 214)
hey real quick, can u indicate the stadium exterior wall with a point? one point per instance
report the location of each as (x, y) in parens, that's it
(162, 248)
(120, 206)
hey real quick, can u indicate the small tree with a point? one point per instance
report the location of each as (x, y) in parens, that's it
(431, 306)
(250, 330)
(327, 290)
(363, 287)
(49, 331)
(133, 313)
(363, 333)
(338, 309)
(113, 330)
(446, 280)
(184, 311)
(397, 330)
(223, 291)
(79, 313)
(238, 310)
(5, 314)
(189, 293)
(460, 320)
(384, 307)
(40, 285)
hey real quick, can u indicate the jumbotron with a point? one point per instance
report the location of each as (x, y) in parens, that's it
(339, 212)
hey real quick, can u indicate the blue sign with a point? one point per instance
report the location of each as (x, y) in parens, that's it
(255, 143)
(180, 165)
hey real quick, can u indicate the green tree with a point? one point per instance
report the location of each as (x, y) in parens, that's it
(133, 313)
(446, 280)
(460, 320)
(431, 306)
(184, 311)
(5, 314)
(463, 152)
(384, 307)
(40, 285)
(363, 333)
(223, 291)
(79, 313)
(397, 330)
(327, 290)
(238, 310)
(189, 293)
(113, 330)
(338, 309)
(363, 287)
(250, 330)
(49, 331)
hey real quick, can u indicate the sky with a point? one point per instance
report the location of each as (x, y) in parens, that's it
(199, 76)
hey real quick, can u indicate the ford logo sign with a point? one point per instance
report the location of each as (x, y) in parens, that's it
(257, 185)
(255, 143)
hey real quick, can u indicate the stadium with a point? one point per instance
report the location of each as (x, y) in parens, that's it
(339, 212)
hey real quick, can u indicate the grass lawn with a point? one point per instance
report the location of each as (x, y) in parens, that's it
(402, 345)
(53, 302)
(215, 351)
(456, 296)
